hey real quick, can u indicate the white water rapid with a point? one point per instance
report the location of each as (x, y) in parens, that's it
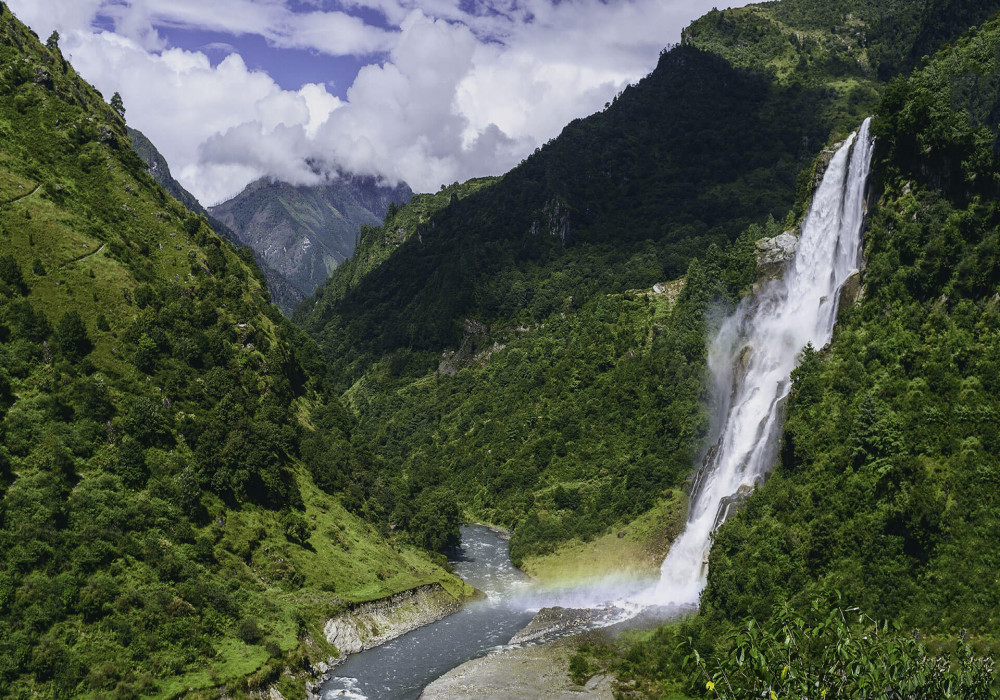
(752, 358)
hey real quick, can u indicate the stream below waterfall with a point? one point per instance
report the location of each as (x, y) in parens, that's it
(399, 670)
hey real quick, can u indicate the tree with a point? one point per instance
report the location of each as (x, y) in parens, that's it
(118, 105)
(71, 337)
(10, 274)
(53, 41)
(436, 522)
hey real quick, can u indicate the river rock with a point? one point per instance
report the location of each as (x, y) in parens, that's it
(774, 253)
(533, 673)
(370, 624)
(557, 621)
(851, 292)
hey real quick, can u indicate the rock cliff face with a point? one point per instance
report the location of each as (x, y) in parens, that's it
(774, 253)
(371, 624)
(851, 293)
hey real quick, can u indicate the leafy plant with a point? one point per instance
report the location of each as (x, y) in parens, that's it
(845, 654)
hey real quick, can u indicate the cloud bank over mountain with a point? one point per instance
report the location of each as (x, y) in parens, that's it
(447, 89)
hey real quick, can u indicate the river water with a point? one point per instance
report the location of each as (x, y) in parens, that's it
(400, 669)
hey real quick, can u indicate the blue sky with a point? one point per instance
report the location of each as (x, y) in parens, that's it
(425, 91)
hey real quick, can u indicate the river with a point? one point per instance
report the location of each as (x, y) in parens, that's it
(400, 669)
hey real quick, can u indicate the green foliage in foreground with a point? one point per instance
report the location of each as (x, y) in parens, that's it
(847, 655)
(816, 654)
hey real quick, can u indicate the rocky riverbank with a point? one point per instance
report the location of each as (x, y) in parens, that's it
(371, 624)
(531, 673)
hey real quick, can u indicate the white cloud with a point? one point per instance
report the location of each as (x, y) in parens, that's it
(466, 89)
(180, 101)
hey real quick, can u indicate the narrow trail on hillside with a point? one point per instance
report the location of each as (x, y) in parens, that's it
(84, 256)
(21, 196)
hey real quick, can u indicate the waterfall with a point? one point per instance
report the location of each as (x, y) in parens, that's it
(753, 355)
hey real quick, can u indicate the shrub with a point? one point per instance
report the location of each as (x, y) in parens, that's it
(845, 654)
(71, 337)
(250, 630)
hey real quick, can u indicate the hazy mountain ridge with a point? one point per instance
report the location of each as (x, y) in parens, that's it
(305, 231)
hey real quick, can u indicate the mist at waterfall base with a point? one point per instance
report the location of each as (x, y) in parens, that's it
(401, 668)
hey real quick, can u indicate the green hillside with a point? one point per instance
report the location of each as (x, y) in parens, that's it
(621, 200)
(284, 295)
(376, 243)
(894, 499)
(158, 530)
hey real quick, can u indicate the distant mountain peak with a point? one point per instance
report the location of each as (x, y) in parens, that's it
(305, 231)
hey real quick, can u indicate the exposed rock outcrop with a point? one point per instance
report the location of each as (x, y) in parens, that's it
(475, 349)
(823, 162)
(851, 292)
(555, 220)
(774, 253)
(555, 622)
(371, 624)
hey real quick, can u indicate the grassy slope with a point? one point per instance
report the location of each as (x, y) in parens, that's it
(115, 579)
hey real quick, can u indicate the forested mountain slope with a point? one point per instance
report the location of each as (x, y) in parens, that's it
(619, 201)
(546, 381)
(283, 294)
(160, 524)
(713, 140)
(885, 496)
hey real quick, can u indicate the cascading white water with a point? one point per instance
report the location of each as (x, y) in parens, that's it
(752, 358)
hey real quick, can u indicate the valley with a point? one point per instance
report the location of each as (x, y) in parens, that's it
(720, 360)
